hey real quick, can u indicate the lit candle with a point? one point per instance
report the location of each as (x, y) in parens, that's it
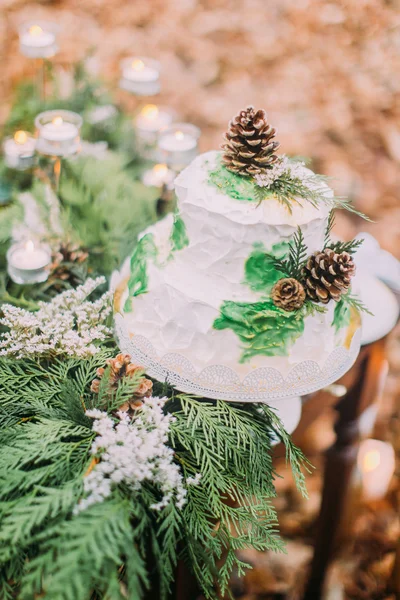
(27, 262)
(178, 144)
(140, 75)
(376, 464)
(38, 40)
(19, 150)
(177, 141)
(152, 118)
(58, 132)
(158, 176)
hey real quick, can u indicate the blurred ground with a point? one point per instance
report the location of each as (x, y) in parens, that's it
(328, 74)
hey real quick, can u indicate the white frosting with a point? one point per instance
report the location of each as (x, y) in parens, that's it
(185, 293)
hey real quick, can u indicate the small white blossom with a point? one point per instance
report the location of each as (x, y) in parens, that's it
(67, 325)
(132, 451)
(294, 170)
(268, 178)
(194, 480)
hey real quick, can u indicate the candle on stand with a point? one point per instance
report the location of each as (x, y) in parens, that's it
(158, 176)
(38, 39)
(150, 120)
(140, 76)
(19, 150)
(376, 465)
(58, 132)
(178, 144)
(27, 262)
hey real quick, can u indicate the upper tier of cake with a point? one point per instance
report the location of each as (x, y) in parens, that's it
(222, 231)
(194, 190)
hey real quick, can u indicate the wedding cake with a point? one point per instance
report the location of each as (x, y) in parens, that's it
(243, 279)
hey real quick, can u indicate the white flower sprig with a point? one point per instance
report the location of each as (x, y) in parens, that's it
(67, 325)
(294, 170)
(133, 451)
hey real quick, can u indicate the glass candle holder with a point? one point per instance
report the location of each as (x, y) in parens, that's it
(178, 145)
(150, 120)
(19, 151)
(38, 39)
(58, 133)
(140, 76)
(28, 262)
(158, 176)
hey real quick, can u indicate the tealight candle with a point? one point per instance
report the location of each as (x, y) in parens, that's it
(151, 120)
(58, 132)
(19, 151)
(27, 263)
(158, 176)
(140, 76)
(178, 144)
(38, 39)
(376, 465)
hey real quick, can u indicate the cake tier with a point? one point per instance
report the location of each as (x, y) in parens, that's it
(222, 230)
(202, 289)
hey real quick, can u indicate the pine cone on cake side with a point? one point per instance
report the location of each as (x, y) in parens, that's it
(288, 293)
(327, 275)
(249, 143)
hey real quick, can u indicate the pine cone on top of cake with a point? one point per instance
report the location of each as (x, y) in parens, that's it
(244, 274)
(249, 147)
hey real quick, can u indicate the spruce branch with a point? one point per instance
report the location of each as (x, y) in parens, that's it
(354, 302)
(329, 228)
(350, 247)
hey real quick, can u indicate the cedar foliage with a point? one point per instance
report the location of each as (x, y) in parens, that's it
(112, 548)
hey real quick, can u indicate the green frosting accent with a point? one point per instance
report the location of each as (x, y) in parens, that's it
(261, 326)
(138, 281)
(178, 237)
(260, 272)
(235, 186)
(341, 315)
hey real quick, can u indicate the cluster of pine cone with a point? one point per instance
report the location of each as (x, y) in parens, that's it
(326, 276)
(121, 367)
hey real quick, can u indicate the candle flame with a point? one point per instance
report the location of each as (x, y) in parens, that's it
(160, 169)
(179, 135)
(57, 120)
(20, 137)
(150, 111)
(137, 64)
(35, 30)
(29, 246)
(372, 460)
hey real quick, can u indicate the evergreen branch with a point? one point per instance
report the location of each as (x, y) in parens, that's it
(354, 302)
(329, 228)
(297, 254)
(313, 308)
(351, 247)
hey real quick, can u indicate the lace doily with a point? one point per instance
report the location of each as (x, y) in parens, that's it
(221, 382)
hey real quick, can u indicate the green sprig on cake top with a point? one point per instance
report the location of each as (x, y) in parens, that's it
(250, 169)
